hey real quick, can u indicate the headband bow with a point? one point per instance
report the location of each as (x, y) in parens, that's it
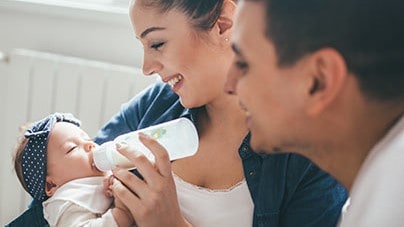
(34, 154)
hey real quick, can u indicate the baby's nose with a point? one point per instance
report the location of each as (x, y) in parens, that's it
(90, 146)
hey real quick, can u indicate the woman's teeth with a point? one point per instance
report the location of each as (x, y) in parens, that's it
(175, 80)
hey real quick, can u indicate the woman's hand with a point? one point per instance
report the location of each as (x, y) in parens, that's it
(121, 213)
(152, 201)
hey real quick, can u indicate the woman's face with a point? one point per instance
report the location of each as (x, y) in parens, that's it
(195, 66)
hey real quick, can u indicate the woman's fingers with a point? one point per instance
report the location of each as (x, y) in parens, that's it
(131, 181)
(126, 196)
(143, 165)
(150, 172)
(162, 211)
(152, 202)
(160, 153)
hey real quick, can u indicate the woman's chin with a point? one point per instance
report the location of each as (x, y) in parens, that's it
(188, 104)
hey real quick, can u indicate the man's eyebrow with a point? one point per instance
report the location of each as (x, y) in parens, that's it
(151, 29)
(236, 50)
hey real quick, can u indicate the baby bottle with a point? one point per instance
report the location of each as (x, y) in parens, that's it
(179, 137)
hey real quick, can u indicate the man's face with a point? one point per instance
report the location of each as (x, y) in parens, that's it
(270, 94)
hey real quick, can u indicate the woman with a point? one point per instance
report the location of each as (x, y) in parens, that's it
(187, 43)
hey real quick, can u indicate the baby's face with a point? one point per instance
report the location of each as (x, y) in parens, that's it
(70, 152)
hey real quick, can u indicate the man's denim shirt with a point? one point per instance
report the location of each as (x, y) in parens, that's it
(287, 189)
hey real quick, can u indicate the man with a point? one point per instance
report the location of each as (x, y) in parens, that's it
(325, 78)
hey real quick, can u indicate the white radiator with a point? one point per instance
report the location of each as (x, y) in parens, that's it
(34, 84)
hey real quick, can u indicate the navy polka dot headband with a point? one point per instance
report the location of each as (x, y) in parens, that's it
(34, 154)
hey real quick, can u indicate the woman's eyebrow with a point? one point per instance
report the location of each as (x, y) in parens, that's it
(151, 29)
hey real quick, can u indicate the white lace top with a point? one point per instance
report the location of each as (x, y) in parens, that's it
(205, 207)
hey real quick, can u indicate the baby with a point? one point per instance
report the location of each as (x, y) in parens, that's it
(54, 165)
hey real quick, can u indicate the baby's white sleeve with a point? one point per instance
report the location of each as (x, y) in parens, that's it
(75, 215)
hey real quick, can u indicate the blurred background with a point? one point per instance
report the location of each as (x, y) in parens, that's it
(78, 56)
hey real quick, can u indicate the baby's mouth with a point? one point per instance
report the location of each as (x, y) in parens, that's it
(92, 163)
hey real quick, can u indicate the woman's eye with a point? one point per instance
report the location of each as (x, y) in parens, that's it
(157, 46)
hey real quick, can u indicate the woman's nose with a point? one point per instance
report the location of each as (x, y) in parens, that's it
(151, 65)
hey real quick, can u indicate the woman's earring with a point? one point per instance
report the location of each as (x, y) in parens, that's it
(226, 39)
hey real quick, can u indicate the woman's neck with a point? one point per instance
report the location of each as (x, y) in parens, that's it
(224, 114)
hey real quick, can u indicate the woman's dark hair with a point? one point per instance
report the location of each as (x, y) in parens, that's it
(369, 34)
(203, 14)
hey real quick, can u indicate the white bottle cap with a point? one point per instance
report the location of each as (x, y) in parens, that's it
(101, 158)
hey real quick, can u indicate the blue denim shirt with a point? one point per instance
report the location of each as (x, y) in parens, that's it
(287, 189)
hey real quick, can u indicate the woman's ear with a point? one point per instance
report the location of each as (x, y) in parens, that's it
(50, 186)
(225, 20)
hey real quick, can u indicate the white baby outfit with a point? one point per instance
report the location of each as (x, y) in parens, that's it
(79, 202)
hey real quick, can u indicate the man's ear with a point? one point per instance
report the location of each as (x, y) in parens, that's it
(225, 20)
(328, 73)
(50, 186)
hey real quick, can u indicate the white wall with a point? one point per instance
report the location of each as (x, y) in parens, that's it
(96, 35)
(2, 113)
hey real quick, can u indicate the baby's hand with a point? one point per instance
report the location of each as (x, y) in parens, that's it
(121, 213)
(107, 183)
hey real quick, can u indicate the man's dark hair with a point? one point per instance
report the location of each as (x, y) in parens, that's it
(369, 34)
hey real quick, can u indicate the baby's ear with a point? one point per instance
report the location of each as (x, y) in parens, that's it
(50, 186)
